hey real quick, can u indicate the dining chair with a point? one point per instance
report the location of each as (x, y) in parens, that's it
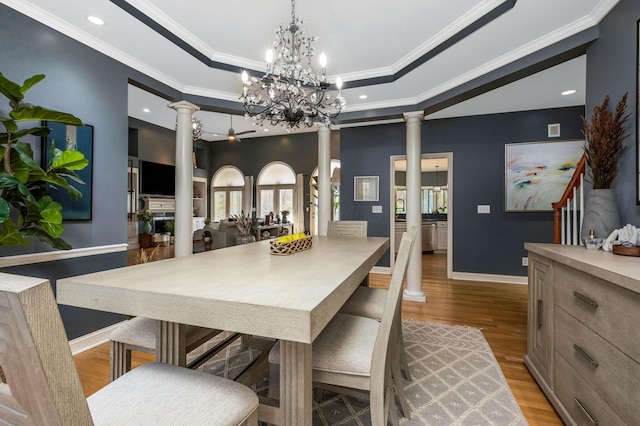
(352, 354)
(43, 386)
(369, 302)
(347, 228)
(140, 334)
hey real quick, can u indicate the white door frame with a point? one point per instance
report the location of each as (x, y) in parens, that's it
(392, 205)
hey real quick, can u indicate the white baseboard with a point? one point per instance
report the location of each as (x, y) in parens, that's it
(505, 279)
(91, 340)
(385, 270)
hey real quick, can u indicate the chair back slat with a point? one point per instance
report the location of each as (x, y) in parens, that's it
(347, 228)
(392, 305)
(44, 387)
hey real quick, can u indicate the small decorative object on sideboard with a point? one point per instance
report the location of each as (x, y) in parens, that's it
(591, 242)
(624, 241)
(290, 244)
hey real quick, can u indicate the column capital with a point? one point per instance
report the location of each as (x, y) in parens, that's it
(413, 116)
(182, 105)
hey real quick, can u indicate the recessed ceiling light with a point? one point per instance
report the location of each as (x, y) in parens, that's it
(266, 130)
(95, 20)
(146, 110)
(568, 92)
(363, 96)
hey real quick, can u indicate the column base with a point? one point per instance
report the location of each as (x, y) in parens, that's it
(414, 296)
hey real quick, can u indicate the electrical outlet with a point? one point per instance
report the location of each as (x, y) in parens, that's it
(525, 261)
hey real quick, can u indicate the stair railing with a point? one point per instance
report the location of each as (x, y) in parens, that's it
(568, 212)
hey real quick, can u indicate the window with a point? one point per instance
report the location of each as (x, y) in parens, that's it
(430, 201)
(227, 193)
(276, 190)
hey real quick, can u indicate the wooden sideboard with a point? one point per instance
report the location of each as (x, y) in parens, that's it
(583, 338)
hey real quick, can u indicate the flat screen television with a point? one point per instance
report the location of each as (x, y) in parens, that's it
(157, 179)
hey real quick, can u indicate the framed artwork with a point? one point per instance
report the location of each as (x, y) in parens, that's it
(366, 188)
(536, 174)
(81, 139)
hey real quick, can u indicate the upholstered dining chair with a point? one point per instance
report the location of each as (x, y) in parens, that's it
(352, 354)
(140, 334)
(347, 228)
(369, 302)
(43, 386)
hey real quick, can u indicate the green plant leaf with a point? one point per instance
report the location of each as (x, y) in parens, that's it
(4, 210)
(32, 212)
(10, 125)
(38, 113)
(10, 90)
(10, 236)
(57, 243)
(35, 131)
(71, 175)
(51, 213)
(70, 159)
(30, 82)
(8, 181)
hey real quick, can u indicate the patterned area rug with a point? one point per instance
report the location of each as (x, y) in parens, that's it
(456, 381)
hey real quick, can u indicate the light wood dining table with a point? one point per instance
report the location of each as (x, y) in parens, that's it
(242, 289)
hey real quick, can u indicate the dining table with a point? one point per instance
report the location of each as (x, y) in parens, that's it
(243, 289)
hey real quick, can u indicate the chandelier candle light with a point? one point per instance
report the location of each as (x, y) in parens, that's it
(291, 93)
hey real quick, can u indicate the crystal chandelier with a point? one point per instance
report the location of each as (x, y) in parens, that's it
(196, 128)
(291, 93)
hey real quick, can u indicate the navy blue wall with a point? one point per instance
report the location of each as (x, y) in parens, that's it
(489, 244)
(93, 87)
(611, 70)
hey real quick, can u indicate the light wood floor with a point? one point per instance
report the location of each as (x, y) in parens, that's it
(499, 310)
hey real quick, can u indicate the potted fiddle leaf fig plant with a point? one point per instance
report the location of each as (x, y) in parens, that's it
(26, 209)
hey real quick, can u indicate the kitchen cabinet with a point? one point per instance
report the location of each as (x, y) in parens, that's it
(443, 235)
(429, 235)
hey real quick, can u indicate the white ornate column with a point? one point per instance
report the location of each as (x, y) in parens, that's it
(184, 178)
(324, 178)
(413, 209)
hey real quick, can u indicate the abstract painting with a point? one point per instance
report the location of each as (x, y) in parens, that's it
(81, 139)
(536, 174)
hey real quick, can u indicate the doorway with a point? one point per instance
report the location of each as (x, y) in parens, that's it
(436, 203)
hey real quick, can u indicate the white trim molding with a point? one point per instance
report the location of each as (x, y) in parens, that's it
(91, 340)
(491, 278)
(50, 256)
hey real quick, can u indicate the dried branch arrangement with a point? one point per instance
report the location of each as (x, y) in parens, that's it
(604, 135)
(243, 223)
(143, 257)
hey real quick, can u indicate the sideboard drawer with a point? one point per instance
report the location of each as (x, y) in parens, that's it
(607, 309)
(600, 364)
(579, 399)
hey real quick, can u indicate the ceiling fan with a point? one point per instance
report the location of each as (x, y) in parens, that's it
(232, 136)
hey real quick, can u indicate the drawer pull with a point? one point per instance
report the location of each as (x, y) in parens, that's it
(587, 414)
(539, 313)
(592, 303)
(585, 355)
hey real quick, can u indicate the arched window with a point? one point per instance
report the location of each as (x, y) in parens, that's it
(276, 190)
(227, 192)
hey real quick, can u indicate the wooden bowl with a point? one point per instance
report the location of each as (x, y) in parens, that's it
(626, 251)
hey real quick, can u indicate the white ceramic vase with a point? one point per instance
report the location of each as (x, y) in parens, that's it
(600, 213)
